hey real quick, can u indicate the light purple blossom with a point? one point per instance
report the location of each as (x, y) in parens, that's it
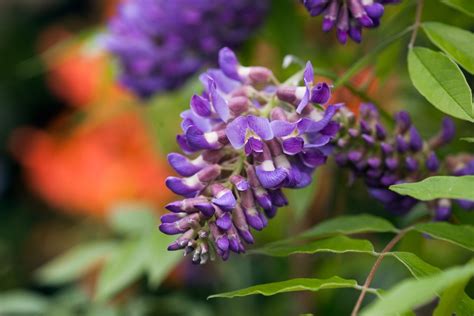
(243, 142)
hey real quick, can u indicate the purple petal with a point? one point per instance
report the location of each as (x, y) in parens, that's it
(253, 219)
(206, 209)
(321, 93)
(293, 145)
(261, 126)
(416, 142)
(224, 222)
(228, 63)
(278, 198)
(317, 141)
(270, 178)
(183, 165)
(218, 102)
(236, 131)
(313, 159)
(253, 145)
(304, 102)
(200, 106)
(180, 187)
(171, 218)
(308, 75)
(225, 199)
(282, 128)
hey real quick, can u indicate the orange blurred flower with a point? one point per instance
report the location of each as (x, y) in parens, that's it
(94, 166)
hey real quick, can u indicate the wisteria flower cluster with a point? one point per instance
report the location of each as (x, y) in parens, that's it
(348, 16)
(380, 158)
(161, 43)
(244, 139)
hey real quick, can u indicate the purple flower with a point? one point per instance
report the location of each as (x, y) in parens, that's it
(160, 43)
(383, 158)
(242, 143)
(349, 17)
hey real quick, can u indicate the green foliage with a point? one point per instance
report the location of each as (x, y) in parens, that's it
(22, 303)
(450, 299)
(414, 293)
(462, 235)
(337, 244)
(465, 6)
(468, 139)
(293, 285)
(74, 263)
(441, 82)
(437, 187)
(456, 42)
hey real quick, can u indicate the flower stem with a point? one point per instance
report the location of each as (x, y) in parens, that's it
(416, 26)
(375, 267)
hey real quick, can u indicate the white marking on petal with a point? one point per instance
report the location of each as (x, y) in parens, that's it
(211, 137)
(300, 92)
(267, 165)
(367, 2)
(243, 72)
(192, 181)
(199, 161)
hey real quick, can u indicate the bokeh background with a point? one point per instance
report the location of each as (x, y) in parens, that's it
(79, 154)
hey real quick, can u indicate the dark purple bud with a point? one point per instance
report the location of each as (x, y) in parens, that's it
(411, 164)
(354, 155)
(365, 127)
(240, 223)
(380, 131)
(321, 93)
(402, 145)
(272, 212)
(355, 32)
(416, 142)
(375, 10)
(187, 187)
(278, 198)
(391, 163)
(374, 162)
(387, 149)
(313, 159)
(253, 218)
(403, 121)
(205, 208)
(432, 162)
(331, 15)
(442, 210)
(182, 240)
(172, 217)
(388, 180)
(369, 140)
(224, 222)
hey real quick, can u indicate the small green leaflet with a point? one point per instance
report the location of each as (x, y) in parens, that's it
(456, 42)
(461, 235)
(337, 244)
(132, 218)
(450, 299)
(437, 187)
(22, 303)
(441, 82)
(465, 6)
(293, 285)
(160, 261)
(414, 293)
(74, 263)
(468, 139)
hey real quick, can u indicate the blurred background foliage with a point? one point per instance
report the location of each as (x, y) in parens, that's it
(82, 165)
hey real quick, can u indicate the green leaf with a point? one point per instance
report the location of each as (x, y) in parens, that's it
(74, 263)
(468, 139)
(441, 82)
(350, 225)
(123, 268)
(293, 285)
(22, 303)
(465, 6)
(437, 187)
(450, 299)
(410, 294)
(161, 261)
(337, 244)
(132, 219)
(419, 269)
(461, 235)
(456, 42)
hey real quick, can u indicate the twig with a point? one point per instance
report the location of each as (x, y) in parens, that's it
(376, 265)
(416, 26)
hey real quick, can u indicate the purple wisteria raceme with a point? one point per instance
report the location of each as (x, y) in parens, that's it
(348, 16)
(245, 138)
(382, 158)
(162, 43)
